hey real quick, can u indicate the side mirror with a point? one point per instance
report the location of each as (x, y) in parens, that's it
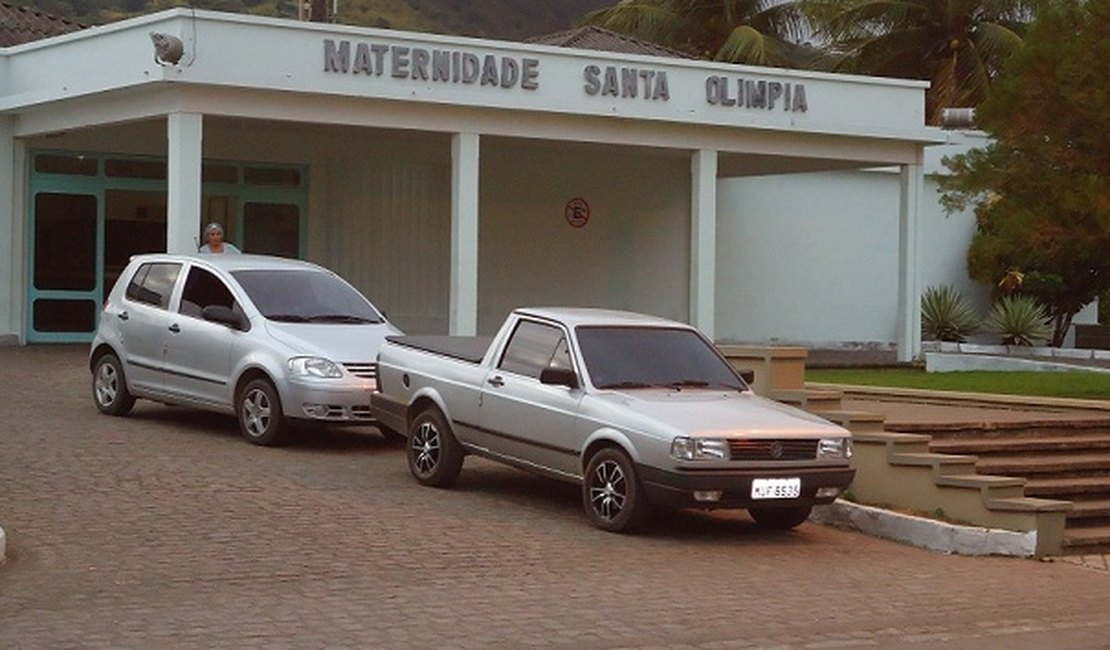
(559, 377)
(748, 375)
(221, 314)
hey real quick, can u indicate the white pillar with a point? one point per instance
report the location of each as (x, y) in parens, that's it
(185, 133)
(464, 234)
(909, 293)
(11, 257)
(703, 240)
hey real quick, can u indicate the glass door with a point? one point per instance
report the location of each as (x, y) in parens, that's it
(64, 282)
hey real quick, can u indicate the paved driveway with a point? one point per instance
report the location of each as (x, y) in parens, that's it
(165, 529)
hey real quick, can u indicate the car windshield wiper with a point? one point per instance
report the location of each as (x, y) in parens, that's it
(698, 383)
(689, 383)
(630, 384)
(340, 318)
(287, 318)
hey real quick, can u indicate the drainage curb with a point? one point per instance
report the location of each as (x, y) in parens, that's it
(925, 533)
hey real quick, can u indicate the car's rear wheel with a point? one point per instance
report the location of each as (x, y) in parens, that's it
(780, 518)
(611, 492)
(261, 420)
(110, 387)
(434, 455)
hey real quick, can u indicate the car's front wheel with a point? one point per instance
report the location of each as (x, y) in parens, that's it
(780, 518)
(110, 387)
(611, 492)
(261, 420)
(434, 455)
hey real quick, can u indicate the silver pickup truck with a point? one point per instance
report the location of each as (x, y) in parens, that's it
(637, 410)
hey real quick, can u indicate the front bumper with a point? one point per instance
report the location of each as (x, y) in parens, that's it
(676, 489)
(329, 401)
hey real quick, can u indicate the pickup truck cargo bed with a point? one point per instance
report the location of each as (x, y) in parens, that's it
(464, 348)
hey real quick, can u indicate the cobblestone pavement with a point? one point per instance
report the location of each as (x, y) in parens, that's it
(165, 529)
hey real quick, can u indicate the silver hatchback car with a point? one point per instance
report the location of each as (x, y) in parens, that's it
(265, 338)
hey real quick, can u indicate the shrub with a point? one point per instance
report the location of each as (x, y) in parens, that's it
(1019, 320)
(946, 315)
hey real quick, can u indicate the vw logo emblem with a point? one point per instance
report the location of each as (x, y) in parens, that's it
(776, 449)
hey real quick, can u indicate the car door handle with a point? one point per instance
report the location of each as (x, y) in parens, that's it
(124, 315)
(175, 328)
(497, 382)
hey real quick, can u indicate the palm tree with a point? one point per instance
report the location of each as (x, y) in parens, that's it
(958, 45)
(757, 32)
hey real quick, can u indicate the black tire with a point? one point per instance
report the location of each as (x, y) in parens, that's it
(434, 455)
(392, 437)
(611, 492)
(780, 518)
(109, 387)
(261, 420)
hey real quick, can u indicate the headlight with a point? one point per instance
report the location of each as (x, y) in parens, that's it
(315, 367)
(686, 448)
(838, 448)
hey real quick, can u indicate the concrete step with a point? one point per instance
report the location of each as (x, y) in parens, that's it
(1062, 465)
(1012, 430)
(984, 445)
(1090, 487)
(854, 421)
(809, 399)
(1088, 509)
(1087, 540)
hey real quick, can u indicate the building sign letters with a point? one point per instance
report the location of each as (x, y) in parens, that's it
(447, 66)
(451, 66)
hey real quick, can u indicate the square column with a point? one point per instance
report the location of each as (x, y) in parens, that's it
(703, 240)
(185, 134)
(464, 235)
(909, 293)
(11, 238)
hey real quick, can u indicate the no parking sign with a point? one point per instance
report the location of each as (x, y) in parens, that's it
(577, 212)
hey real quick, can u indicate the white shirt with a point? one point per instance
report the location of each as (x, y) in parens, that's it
(228, 248)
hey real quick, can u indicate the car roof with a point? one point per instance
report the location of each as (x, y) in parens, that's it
(232, 261)
(588, 316)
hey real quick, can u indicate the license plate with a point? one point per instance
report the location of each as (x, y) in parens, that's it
(776, 488)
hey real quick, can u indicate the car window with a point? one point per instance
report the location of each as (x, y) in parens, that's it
(153, 283)
(642, 357)
(533, 347)
(305, 296)
(204, 289)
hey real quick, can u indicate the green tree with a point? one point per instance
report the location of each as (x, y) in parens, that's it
(757, 32)
(957, 45)
(1041, 190)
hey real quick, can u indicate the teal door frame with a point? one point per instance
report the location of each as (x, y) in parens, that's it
(97, 186)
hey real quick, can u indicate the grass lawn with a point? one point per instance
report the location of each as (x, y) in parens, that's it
(1080, 385)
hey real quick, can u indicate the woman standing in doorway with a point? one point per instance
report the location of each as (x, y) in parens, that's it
(214, 240)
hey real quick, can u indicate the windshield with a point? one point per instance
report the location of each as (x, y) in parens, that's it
(648, 357)
(306, 296)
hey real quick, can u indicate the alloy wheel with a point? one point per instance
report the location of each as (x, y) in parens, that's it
(608, 490)
(256, 412)
(426, 446)
(107, 384)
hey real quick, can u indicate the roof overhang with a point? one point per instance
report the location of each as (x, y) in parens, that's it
(323, 73)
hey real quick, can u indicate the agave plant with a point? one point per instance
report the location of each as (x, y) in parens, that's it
(946, 315)
(1019, 320)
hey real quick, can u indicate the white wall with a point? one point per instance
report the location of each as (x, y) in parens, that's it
(945, 238)
(812, 259)
(808, 259)
(632, 254)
